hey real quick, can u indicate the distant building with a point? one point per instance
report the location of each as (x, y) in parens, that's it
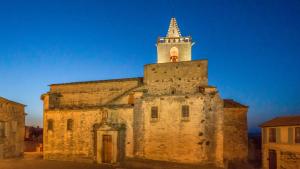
(33, 139)
(33, 133)
(170, 114)
(281, 143)
(12, 121)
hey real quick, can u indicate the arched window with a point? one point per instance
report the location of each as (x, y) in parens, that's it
(174, 54)
(69, 124)
(50, 125)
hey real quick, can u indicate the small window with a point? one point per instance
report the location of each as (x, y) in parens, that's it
(2, 129)
(272, 135)
(69, 124)
(185, 112)
(297, 135)
(131, 99)
(154, 112)
(50, 124)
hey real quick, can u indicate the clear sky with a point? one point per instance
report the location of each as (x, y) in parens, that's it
(252, 47)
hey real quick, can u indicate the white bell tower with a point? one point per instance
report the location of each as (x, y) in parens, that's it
(174, 47)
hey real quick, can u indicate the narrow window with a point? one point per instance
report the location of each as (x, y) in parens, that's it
(50, 125)
(69, 124)
(131, 99)
(154, 113)
(2, 129)
(297, 135)
(185, 112)
(272, 135)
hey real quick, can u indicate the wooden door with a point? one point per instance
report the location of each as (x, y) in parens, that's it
(272, 159)
(107, 149)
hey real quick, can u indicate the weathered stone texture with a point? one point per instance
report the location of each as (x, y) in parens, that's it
(198, 139)
(181, 77)
(89, 93)
(235, 134)
(172, 138)
(114, 119)
(79, 143)
(12, 117)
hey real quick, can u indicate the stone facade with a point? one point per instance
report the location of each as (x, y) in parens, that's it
(170, 114)
(235, 131)
(12, 128)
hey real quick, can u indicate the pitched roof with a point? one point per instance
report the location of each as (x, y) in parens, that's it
(282, 121)
(230, 103)
(6, 100)
(101, 81)
(173, 31)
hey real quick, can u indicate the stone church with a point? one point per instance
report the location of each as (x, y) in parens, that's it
(170, 114)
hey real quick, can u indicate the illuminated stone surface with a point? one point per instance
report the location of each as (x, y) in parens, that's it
(214, 132)
(12, 128)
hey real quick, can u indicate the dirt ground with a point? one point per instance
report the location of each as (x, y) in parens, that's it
(35, 161)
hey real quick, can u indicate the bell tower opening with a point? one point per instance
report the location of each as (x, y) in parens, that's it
(174, 54)
(174, 47)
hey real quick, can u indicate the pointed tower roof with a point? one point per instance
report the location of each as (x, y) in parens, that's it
(173, 31)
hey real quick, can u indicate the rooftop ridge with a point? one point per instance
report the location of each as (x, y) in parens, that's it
(98, 81)
(11, 101)
(287, 120)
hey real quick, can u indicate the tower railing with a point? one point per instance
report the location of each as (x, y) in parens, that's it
(174, 39)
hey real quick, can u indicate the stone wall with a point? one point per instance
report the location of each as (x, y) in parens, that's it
(180, 77)
(79, 143)
(12, 115)
(235, 134)
(289, 160)
(89, 93)
(197, 139)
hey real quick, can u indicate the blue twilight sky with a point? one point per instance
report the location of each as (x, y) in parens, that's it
(252, 47)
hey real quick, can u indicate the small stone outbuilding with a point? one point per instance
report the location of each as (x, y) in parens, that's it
(12, 128)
